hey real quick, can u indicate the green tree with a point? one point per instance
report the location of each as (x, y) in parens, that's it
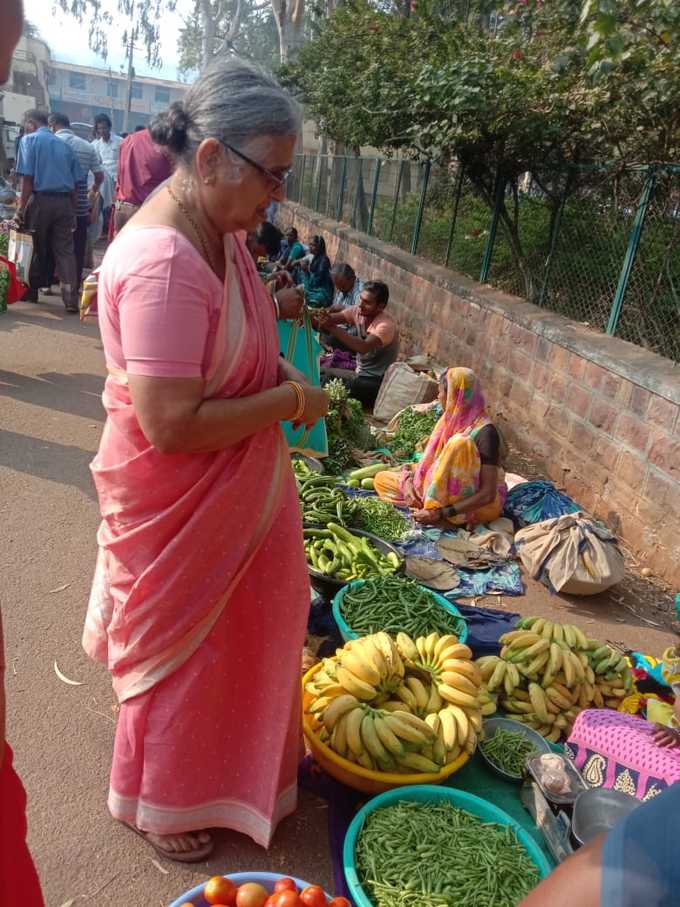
(244, 27)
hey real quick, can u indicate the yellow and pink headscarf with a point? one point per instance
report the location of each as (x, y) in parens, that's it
(440, 475)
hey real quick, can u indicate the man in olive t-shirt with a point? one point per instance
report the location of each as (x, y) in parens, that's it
(376, 343)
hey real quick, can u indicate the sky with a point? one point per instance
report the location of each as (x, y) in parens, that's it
(68, 40)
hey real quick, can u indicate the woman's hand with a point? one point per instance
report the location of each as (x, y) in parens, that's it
(316, 406)
(428, 517)
(291, 304)
(666, 736)
(409, 492)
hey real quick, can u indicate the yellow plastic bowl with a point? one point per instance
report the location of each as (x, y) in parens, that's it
(362, 779)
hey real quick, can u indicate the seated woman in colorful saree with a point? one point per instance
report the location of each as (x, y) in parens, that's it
(200, 598)
(459, 480)
(315, 276)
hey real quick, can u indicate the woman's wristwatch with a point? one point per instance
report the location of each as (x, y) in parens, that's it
(449, 511)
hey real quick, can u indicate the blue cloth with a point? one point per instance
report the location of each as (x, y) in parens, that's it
(505, 579)
(533, 502)
(51, 162)
(300, 345)
(640, 865)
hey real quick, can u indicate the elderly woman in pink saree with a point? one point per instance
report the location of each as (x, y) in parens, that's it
(200, 597)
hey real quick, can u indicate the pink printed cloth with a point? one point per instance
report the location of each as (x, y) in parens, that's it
(200, 596)
(616, 750)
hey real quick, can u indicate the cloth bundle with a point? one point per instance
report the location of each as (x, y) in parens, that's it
(534, 502)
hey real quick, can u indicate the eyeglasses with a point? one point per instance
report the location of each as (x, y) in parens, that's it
(277, 181)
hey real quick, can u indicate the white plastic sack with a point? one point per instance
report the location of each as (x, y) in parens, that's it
(402, 387)
(20, 251)
(572, 554)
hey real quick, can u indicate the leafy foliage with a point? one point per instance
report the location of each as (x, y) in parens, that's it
(346, 427)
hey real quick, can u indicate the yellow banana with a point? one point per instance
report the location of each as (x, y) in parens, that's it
(403, 693)
(370, 738)
(354, 685)
(569, 636)
(318, 705)
(489, 708)
(422, 650)
(462, 666)
(387, 737)
(444, 642)
(487, 669)
(439, 751)
(336, 708)
(536, 649)
(353, 729)
(556, 697)
(457, 650)
(462, 722)
(458, 697)
(339, 736)
(407, 647)
(554, 735)
(435, 701)
(430, 642)
(475, 718)
(394, 705)
(538, 663)
(360, 666)
(538, 701)
(496, 678)
(402, 729)
(449, 728)
(460, 682)
(453, 754)
(418, 763)
(537, 626)
(558, 633)
(422, 696)
(517, 707)
(569, 672)
(373, 654)
(556, 655)
(546, 632)
(434, 721)
(365, 761)
(471, 742)
(581, 640)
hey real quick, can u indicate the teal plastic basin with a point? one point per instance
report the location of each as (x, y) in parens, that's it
(347, 633)
(430, 793)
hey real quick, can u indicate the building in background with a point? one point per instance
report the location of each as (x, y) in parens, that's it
(26, 87)
(82, 92)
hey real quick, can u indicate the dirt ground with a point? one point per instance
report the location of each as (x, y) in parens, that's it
(51, 377)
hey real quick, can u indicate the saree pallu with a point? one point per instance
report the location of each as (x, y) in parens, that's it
(200, 600)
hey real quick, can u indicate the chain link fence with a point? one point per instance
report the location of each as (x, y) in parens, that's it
(598, 244)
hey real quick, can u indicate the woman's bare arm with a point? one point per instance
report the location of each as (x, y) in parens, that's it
(176, 419)
(576, 881)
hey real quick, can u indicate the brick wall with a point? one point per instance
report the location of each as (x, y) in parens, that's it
(600, 415)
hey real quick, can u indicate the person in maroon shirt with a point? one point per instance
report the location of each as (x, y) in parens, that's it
(142, 167)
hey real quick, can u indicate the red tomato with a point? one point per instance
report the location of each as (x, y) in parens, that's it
(339, 902)
(251, 895)
(220, 891)
(270, 901)
(287, 899)
(313, 896)
(285, 885)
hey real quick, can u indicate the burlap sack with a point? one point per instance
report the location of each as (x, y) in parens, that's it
(572, 554)
(402, 387)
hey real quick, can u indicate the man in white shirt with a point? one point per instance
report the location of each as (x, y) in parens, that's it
(108, 145)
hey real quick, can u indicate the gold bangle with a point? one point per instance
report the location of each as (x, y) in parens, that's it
(300, 396)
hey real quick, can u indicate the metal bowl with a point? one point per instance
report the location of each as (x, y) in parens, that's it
(314, 464)
(327, 585)
(597, 811)
(491, 725)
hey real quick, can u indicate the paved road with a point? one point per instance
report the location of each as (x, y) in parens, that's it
(51, 376)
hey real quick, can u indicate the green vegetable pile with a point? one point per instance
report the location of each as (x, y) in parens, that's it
(342, 556)
(345, 426)
(413, 428)
(322, 501)
(379, 518)
(509, 750)
(436, 855)
(395, 604)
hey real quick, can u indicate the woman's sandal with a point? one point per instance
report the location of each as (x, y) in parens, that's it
(188, 856)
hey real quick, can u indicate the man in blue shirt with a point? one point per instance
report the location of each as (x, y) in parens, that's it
(49, 172)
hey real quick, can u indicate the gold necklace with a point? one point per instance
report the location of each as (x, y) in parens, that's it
(197, 230)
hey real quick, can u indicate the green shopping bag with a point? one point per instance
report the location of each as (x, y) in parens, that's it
(299, 343)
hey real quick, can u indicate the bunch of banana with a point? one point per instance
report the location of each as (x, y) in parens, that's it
(548, 672)
(409, 706)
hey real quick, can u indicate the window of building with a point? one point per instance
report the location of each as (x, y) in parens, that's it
(76, 80)
(162, 96)
(136, 91)
(113, 89)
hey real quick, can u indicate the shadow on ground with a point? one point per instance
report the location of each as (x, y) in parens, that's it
(60, 463)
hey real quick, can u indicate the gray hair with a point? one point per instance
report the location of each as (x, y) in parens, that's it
(232, 101)
(343, 270)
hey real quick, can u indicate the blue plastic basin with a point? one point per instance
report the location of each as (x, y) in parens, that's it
(347, 633)
(425, 793)
(195, 896)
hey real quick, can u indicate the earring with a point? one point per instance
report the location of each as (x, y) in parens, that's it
(209, 180)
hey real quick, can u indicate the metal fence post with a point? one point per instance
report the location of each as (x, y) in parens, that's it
(396, 199)
(341, 194)
(631, 251)
(421, 208)
(374, 195)
(301, 189)
(554, 235)
(454, 214)
(318, 184)
(493, 228)
(359, 161)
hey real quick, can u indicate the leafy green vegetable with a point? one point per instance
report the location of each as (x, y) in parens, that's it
(346, 428)
(379, 518)
(413, 428)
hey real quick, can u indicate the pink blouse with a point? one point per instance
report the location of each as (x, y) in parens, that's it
(159, 304)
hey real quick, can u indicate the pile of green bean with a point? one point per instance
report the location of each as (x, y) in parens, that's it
(396, 604)
(322, 501)
(509, 750)
(436, 855)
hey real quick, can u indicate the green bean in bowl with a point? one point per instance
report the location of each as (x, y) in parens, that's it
(509, 751)
(395, 604)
